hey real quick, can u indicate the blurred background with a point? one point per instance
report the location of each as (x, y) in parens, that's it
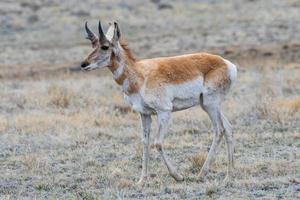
(68, 134)
(40, 34)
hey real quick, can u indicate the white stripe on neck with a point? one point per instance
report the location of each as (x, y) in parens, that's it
(119, 71)
(120, 62)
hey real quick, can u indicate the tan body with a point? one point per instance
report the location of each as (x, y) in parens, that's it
(160, 86)
(174, 83)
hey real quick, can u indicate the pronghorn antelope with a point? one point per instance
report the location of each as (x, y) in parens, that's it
(160, 86)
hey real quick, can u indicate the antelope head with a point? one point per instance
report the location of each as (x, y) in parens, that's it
(104, 46)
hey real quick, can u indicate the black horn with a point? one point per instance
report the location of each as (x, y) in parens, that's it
(90, 35)
(102, 36)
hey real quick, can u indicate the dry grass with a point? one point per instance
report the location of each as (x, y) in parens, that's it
(60, 96)
(34, 162)
(69, 140)
(292, 105)
(211, 190)
(197, 162)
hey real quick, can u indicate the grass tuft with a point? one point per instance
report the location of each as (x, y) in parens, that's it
(293, 105)
(197, 162)
(60, 96)
(211, 190)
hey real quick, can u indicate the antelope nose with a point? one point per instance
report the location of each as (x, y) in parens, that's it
(84, 64)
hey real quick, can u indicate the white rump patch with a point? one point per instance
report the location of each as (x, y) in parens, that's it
(232, 70)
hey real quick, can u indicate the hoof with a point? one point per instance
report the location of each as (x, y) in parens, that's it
(227, 180)
(201, 176)
(141, 182)
(178, 177)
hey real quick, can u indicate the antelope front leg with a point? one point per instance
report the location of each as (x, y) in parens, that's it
(163, 122)
(146, 125)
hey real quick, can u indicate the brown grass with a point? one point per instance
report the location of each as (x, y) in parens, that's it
(293, 105)
(86, 143)
(65, 134)
(60, 96)
(34, 162)
(197, 162)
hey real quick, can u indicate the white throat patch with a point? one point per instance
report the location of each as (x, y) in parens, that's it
(119, 71)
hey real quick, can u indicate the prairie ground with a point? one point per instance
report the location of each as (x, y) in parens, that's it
(67, 134)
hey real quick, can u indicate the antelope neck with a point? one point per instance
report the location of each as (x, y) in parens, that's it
(125, 72)
(118, 70)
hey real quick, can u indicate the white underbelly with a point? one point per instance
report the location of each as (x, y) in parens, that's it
(181, 104)
(186, 95)
(169, 98)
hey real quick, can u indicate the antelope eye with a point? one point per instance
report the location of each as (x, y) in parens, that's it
(104, 47)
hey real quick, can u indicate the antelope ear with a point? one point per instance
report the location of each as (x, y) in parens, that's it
(113, 34)
(117, 33)
(110, 32)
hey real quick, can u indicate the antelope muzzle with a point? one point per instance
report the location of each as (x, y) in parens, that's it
(84, 64)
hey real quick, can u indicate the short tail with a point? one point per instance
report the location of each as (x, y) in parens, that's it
(232, 71)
